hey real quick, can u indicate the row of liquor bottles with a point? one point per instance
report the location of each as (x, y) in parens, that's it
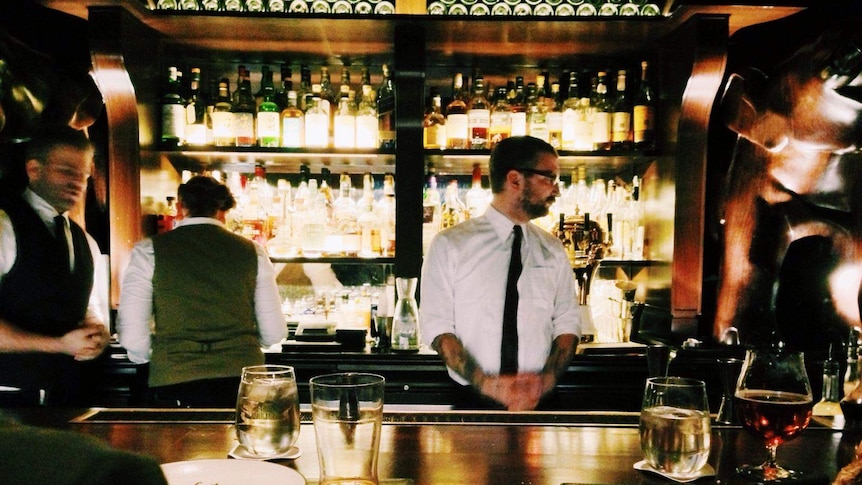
(576, 116)
(311, 115)
(547, 8)
(362, 7)
(318, 218)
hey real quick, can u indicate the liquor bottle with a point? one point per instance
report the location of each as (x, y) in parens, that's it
(386, 214)
(453, 210)
(222, 116)
(829, 404)
(166, 5)
(851, 374)
(304, 93)
(316, 124)
(367, 127)
(621, 117)
(478, 116)
(601, 114)
(554, 117)
(434, 123)
(265, 79)
(292, 123)
(570, 112)
(537, 116)
(518, 104)
(254, 6)
(457, 125)
(644, 112)
(344, 125)
(234, 6)
(431, 210)
(196, 111)
(243, 114)
(210, 5)
(173, 111)
(369, 244)
(285, 87)
(268, 116)
(501, 119)
(190, 5)
(168, 216)
(476, 198)
(345, 216)
(275, 6)
(386, 110)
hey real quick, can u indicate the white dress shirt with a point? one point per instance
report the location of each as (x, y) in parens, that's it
(463, 290)
(135, 315)
(46, 212)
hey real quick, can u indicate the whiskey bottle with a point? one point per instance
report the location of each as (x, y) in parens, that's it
(244, 113)
(644, 113)
(196, 128)
(367, 127)
(476, 198)
(222, 116)
(386, 110)
(501, 119)
(431, 210)
(173, 111)
(478, 116)
(621, 117)
(292, 123)
(268, 115)
(453, 211)
(344, 125)
(457, 125)
(517, 102)
(537, 116)
(316, 124)
(434, 123)
(554, 117)
(601, 114)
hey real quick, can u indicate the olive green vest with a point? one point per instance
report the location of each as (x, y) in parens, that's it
(203, 304)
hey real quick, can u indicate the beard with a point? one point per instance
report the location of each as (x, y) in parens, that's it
(534, 206)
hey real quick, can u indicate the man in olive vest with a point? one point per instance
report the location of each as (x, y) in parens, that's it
(49, 314)
(212, 296)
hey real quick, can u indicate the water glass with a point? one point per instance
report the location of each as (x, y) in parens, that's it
(675, 429)
(267, 410)
(347, 412)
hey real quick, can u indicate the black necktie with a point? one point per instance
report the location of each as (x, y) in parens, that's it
(60, 234)
(509, 347)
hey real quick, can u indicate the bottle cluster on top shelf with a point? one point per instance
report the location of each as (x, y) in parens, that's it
(282, 7)
(312, 219)
(614, 206)
(321, 115)
(570, 116)
(545, 8)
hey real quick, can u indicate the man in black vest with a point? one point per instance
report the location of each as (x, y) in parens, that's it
(49, 317)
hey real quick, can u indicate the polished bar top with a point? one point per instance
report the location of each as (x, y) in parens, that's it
(429, 445)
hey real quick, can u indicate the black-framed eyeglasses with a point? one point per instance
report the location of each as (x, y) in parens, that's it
(549, 175)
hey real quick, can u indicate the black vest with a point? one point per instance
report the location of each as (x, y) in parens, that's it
(37, 294)
(40, 296)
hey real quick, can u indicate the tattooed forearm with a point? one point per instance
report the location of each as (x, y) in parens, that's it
(562, 352)
(456, 357)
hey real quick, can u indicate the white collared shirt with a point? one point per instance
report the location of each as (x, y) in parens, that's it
(135, 314)
(463, 290)
(46, 212)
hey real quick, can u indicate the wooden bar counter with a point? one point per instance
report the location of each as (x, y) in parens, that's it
(426, 445)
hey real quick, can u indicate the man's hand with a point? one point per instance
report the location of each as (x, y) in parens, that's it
(85, 342)
(519, 392)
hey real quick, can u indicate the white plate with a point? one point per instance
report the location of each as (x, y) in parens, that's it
(240, 453)
(229, 472)
(706, 471)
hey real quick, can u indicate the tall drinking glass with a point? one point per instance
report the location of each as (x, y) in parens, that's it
(267, 410)
(347, 411)
(675, 430)
(773, 402)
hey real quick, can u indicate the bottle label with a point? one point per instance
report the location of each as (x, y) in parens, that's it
(366, 131)
(268, 128)
(643, 122)
(457, 130)
(244, 128)
(621, 126)
(601, 127)
(519, 124)
(291, 132)
(173, 121)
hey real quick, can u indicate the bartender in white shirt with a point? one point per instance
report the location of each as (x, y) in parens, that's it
(465, 275)
(50, 315)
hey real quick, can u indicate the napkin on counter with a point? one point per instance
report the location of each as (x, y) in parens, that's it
(39, 456)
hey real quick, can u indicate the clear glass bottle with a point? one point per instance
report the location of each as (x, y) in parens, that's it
(476, 198)
(316, 125)
(367, 129)
(621, 117)
(601, 114)
(344, 126)
(501, 119)
(478, 116)
(222, 116)
(457, 127)
(405, 322)
(829, 404)
(292, 123)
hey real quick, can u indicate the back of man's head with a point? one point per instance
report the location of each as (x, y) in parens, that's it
(204, 196)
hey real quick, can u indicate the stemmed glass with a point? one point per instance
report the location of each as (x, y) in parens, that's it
(773, 402)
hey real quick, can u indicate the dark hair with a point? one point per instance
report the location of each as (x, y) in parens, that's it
(514, 153)
(48, 138)
(204, 196)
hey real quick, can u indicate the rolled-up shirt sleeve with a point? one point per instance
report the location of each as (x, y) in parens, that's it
(436, 292)
(135, 313)
(271, 325)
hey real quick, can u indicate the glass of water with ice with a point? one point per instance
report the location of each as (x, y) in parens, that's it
(675, 429)
(267, 410)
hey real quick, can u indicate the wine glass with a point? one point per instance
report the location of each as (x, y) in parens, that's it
(267, 410)
(773, 402)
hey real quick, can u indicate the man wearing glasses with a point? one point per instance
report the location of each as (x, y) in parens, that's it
(498, 296)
